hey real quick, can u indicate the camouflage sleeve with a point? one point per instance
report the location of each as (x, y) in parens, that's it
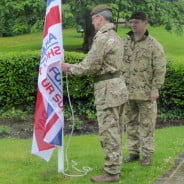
(159, 66)
(93, 61)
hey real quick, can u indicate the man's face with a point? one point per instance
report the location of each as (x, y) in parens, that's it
(96, 21)
(137, 25)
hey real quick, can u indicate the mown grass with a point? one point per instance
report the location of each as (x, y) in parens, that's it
(18, 166)
(173, 43)
(21, 43)
(72, 42)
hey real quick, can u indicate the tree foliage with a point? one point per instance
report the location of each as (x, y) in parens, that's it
(68, 19)
(25, 16)
(160, 12)
(21, 16)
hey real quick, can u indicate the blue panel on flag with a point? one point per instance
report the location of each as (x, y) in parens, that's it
(58, 139)
(49, 1)
(49, 110)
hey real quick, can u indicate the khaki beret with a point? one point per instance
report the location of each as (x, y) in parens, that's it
(99, 8)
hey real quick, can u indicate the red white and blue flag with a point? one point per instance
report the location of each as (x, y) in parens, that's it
(49, 119)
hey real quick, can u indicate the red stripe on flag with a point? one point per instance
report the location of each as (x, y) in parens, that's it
(51, 123)
(39, 124)
(53, 17)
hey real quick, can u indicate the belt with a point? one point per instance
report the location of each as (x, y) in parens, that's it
(107, 76)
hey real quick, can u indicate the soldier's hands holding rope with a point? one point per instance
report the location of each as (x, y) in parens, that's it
(153, 96)
(65, 68)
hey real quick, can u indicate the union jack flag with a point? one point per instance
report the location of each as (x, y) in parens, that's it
(49, 119)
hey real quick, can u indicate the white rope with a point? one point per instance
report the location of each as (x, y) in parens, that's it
(84, 170)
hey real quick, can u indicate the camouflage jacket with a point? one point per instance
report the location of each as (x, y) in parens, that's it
(103, 58)
(144, 66)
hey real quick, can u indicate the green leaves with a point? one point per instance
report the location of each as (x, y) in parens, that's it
(18, 79)
(18, 17)
(172, 92)
(18, 85)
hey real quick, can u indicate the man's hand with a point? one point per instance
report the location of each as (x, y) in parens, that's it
(65, 68)
(154, 95)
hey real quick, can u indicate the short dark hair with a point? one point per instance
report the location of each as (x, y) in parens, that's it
(139, 15)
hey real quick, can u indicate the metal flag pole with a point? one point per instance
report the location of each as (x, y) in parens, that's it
(61, 155)
(61, 148)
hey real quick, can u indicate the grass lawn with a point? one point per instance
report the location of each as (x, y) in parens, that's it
(173, 44)
(72, 42)
(21, 43)
(18, 166)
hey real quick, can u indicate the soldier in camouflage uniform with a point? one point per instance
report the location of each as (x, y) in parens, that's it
(103, 62)
(144, 67)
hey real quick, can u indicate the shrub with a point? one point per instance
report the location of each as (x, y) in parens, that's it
(18, 85)
(171, 100)
(18, 76)
(18, 82)
(16, 114)
(5, 130)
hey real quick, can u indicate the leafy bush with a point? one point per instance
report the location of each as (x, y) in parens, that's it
(18, 76)
(16, 114)
(18, 82)
(5, 130)
(172, 92)
(18, 86)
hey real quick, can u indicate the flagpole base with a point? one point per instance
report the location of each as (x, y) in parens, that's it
(60, 159)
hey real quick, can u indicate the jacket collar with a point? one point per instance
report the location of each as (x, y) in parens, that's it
(107, 27)
(130, 33)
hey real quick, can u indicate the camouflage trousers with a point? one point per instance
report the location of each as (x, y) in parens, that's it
(141, 117)
(110, 122)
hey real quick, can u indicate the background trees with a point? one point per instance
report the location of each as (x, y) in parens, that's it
(21, 16)
(160, 12)
(26, 16)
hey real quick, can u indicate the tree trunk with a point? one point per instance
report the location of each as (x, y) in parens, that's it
(89, 33)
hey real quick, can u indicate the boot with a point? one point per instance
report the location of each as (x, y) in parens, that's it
(131, 158)
(105, 178)
(146, 161)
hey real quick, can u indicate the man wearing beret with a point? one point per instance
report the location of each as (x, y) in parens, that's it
(103, 62)
(144, 67)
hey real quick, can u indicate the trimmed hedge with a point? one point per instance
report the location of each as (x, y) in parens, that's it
(171, 99)
(18, 83)
(172, 91)
(18, 75)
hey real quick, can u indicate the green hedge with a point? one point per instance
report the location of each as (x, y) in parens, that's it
(18, 81)
(18, 84)
(18, 75)
(171, 100)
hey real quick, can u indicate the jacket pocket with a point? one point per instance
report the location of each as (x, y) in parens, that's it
(117, 93)
(100, 93)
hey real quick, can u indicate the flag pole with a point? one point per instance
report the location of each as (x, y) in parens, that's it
(61, 155)
(61, 148)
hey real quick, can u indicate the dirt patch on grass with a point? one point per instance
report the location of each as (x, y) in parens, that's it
(24, 128)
